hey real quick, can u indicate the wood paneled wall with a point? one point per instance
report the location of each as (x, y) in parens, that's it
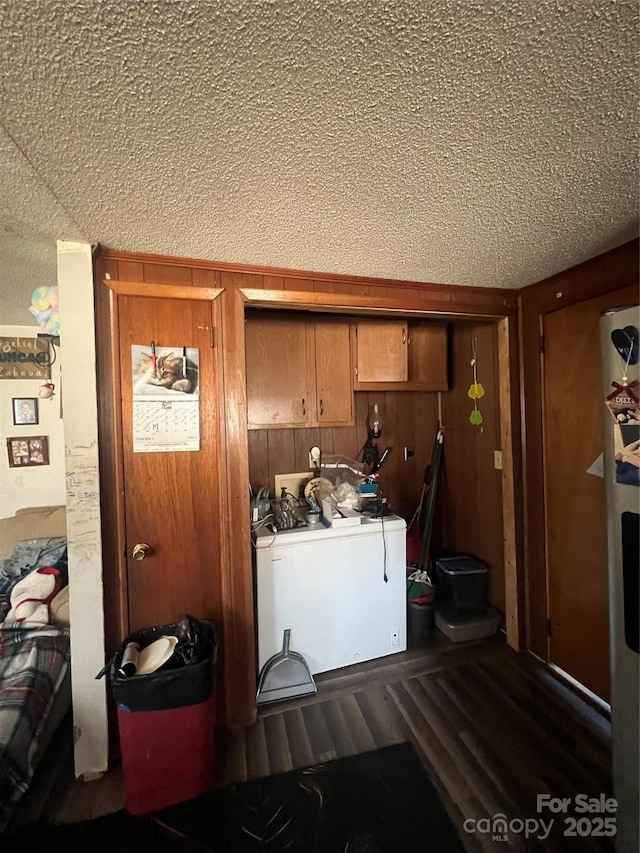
(472, 486)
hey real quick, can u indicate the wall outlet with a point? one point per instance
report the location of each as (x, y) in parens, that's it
(497, 460)
(395, 636)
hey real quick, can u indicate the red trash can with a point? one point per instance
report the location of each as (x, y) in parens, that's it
(166, 719)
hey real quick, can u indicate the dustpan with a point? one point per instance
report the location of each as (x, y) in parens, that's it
(285, 675)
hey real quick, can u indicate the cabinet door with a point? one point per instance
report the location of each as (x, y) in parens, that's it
(333, 374)
(428, 355)
(280, 375)
(382, 351)
(422, 345)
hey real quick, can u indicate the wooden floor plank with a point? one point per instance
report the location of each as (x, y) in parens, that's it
(510, 757)
(381, 717)
(454, 782)
(542, 734)
(455, 730)
(340, 735)
(318, 733)
(277, 745)
(302, 754)
(356, 724)
(257, 754)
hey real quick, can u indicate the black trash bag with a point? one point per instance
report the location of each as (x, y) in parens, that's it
(187, 678)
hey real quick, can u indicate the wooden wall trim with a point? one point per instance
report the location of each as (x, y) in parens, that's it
(604, 274)
(495, 297)
(340, 302)
(127, 288)
(511, 482)
(111, 459)
(594, 277)
(237, 575)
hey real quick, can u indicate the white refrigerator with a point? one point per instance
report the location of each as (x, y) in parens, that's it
(341, 591)
(621, 385)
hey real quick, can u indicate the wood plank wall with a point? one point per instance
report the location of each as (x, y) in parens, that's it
(472, 486)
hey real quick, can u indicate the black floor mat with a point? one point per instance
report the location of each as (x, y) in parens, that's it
(377, 802)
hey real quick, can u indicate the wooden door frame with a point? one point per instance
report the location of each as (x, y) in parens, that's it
(236, 563)
(598, 276)
(112, 504)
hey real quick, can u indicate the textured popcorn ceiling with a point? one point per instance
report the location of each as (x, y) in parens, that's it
(482, 142)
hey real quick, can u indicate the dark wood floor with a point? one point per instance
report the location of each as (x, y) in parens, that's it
(492, 727)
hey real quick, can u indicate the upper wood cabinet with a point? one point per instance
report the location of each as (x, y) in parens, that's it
(400, 355)
(382, 351)
(299, 372)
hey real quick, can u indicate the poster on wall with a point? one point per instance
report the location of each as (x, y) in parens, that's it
(166, 404)
(24, 358)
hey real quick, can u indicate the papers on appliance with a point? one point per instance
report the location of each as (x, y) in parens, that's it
(339, 517)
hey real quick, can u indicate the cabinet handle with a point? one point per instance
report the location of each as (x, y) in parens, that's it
(304, 408)
(321, 408)
(404, 336)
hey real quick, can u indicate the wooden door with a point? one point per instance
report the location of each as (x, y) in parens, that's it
(428, 356)
(334, 377)
(575, 505)
(382, 351)
(280, 371)
(172, 499)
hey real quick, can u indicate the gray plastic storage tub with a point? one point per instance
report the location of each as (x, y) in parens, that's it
(461, 585)
(461, 628)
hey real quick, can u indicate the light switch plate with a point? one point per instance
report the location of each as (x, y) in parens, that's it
(497, 460)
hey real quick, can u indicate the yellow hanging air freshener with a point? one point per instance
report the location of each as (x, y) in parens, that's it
(476, 391)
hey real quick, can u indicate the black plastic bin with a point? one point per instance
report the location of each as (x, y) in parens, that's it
(462, 585)
(166, 719)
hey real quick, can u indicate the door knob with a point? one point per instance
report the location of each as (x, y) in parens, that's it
(140, 551)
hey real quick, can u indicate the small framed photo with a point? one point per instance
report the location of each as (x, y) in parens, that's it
(25, 410)
(28, 450)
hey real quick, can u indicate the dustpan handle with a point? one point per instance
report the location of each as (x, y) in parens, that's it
(285, 641)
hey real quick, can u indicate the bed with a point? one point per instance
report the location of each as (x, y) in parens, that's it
(35, 693)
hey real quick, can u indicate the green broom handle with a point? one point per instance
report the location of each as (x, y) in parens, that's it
(433, 485)
(431, 507)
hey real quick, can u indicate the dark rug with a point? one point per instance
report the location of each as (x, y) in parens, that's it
(377, 802)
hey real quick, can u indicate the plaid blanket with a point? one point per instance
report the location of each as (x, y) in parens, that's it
(33, 663)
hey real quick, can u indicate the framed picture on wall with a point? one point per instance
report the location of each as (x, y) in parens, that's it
(25, 410)
(26, 451)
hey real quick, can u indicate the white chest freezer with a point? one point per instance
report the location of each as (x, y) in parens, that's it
(341, 591)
